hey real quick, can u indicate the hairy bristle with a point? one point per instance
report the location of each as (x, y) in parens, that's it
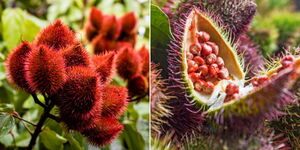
(102, 45)
(80, 98)
(15, 66)
(105, 66)
(114, 101)
(138, 85)
(45, 70)
(106, 131)
(56, 36)
(128, 63)
(76, 55)
(144, 54)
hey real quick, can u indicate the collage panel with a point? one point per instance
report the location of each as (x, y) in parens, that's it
(74, 74)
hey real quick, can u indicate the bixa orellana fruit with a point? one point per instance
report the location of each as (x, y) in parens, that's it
(206, 71)
(109, 33)
(58, 66)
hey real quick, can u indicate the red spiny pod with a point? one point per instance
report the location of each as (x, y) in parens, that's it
(96, 18)
(138, 85)
(76, 55)
(102, 45)
(46, 70)
(90, 32)
(128, 22)
(110, 28)
(15, 66)
(105, 66)
(56, 36)
(144, 54)
(128, 63)
(79, 100)
(106, 131)
(114, 101)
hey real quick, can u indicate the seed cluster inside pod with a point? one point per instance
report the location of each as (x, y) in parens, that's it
(205, 67)
(211, 63)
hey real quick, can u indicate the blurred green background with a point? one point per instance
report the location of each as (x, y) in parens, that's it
(22, 20)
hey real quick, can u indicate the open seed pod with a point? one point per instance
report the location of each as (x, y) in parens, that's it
(207, 78)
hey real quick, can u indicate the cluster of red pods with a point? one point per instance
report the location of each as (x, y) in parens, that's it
(205, 68)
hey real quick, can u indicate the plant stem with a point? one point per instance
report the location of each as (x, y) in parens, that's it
(24, 120)
(39, 126)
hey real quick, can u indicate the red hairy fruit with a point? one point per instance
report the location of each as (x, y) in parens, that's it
(144, 54)
(128, 63)
(79, 100)
(76, 55)
(15, 66)
(110, 27)
(106, 131)
(138, 85)
(46, 70)
(56, 36)
(105, 66)
(102, 45)
(114, 101)
(96, 18)
(90, 32)
(128, 22)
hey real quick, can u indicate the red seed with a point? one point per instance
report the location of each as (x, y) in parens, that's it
(286, 64)
(199, 85)
(213, 70)
(199, 60)
(189, 55)
(203, 37)
(235, 96)
(214, 46)
(195, 49)
(194, 76)
(220, 62)
(231, 89)
(211, 58)
(223, 73)
(259, 80)
(262, 80)
(203, 70)
(206, 50)
(288, 58)
(208, 88)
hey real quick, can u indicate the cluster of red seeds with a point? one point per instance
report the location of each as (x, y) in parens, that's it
(286, 62)
(57, 65)
(205, 68)
(232, 90)
(106, 33)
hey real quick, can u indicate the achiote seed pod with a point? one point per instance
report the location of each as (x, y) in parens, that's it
(114, 101)
(128, 63)
(80, 99)
(199, 85)
(138, 85)
(144, 54)
(46, 70)
(76, 55)
(105, 66)
(15, 66)
(56, 36)
(106, 130)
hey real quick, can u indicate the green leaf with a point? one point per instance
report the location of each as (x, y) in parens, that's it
(12, 22)
(7, 122)
(160, 37)
(72, 144)
(8, 108)
(132, 138)
(52, 140)
(18, 26)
